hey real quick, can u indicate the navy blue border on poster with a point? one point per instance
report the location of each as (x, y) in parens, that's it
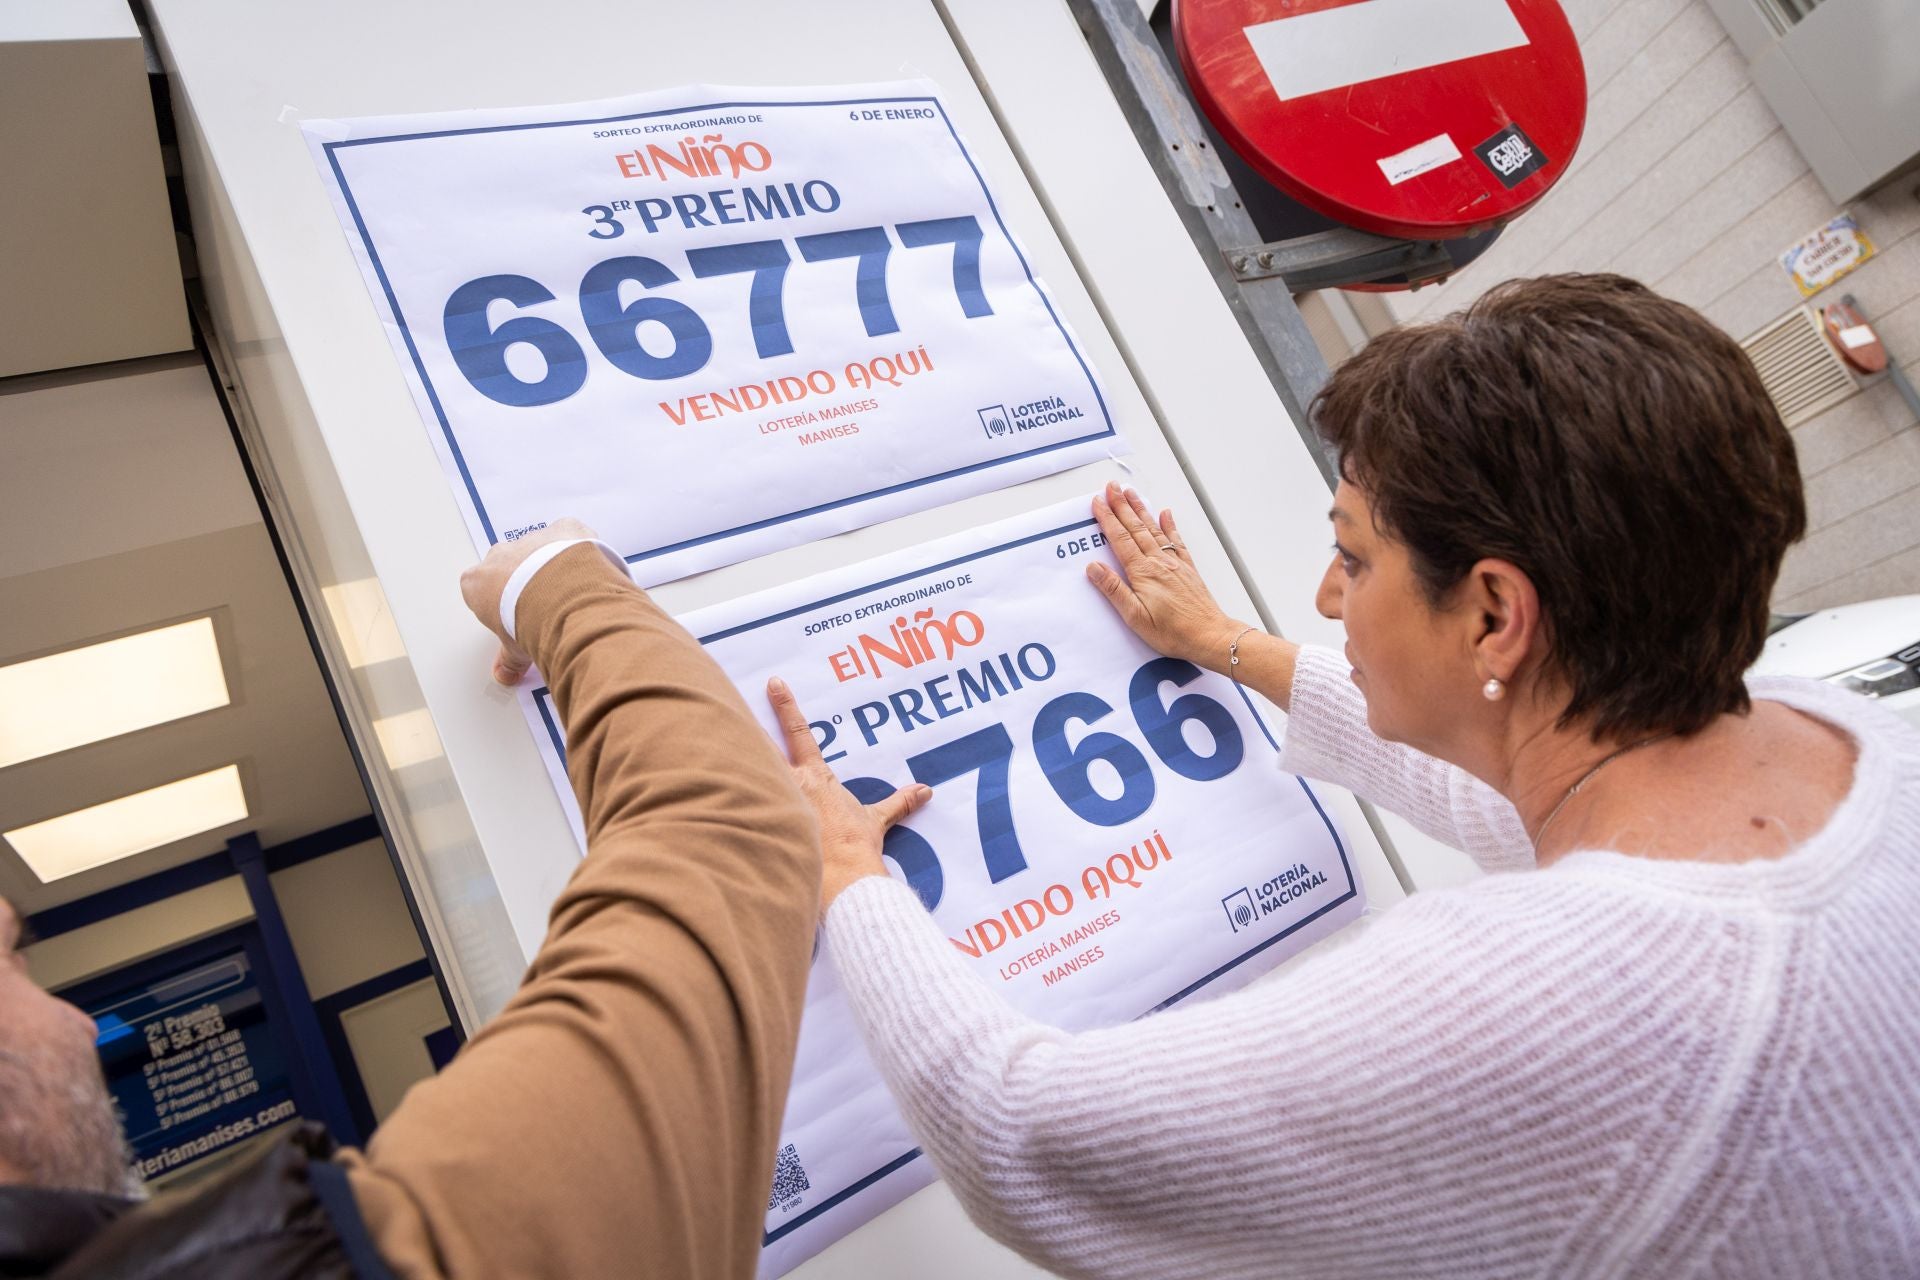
(543, 699)
(446, 428)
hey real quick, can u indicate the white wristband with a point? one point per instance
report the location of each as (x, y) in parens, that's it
(523, 574)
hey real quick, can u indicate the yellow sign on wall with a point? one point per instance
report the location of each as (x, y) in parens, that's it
(1826, 255)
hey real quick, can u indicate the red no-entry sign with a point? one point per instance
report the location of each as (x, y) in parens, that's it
(1427, 119)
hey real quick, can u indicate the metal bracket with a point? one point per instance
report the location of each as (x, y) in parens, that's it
(1340, 256)
(1153, 98)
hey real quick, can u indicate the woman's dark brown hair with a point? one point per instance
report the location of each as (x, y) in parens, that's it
(1616, 447)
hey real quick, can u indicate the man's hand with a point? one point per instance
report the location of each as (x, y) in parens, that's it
(481, 586)
(851, 833)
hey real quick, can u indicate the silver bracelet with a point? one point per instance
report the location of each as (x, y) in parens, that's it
(1233, 654)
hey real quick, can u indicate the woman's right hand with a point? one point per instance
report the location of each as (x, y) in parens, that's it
(1158, 592)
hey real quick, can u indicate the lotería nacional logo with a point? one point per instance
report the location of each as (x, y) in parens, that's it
(1240, 909)
(709, 157)
(1246, 907)
(908, 644)
(999, 422)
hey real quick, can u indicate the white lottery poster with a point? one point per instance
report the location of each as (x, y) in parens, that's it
(1109, 832)
(710, 322)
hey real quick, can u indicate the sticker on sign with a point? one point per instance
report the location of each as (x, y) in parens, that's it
(1373, 39)
(1511, 156)
(1419, 159)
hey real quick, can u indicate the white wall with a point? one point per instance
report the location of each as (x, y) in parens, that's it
(389, 1040)
(347, 918)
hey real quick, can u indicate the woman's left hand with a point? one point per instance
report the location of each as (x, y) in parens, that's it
(1158, 593)
(851, 833)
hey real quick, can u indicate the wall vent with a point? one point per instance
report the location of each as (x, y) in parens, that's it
(1800, 369)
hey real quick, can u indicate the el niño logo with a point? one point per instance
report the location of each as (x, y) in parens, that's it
(908, 644)
(708, 158)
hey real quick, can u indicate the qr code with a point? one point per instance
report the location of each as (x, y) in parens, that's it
(789, 1177)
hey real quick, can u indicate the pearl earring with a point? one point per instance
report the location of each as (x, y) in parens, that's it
(1494, 690)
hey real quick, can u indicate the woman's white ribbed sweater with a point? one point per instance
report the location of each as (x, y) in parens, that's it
(1614, 1066)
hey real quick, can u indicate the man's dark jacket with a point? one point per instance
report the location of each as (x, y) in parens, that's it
(284, 1211)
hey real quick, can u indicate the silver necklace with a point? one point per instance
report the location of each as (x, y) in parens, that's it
(1587, 777)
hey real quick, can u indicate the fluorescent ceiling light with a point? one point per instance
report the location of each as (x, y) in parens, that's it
(103, 690)
(89, 838)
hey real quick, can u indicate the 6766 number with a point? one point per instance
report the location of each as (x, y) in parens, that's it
(1068, 768)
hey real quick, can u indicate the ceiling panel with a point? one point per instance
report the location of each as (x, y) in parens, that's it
(123, 506)
(110, 459)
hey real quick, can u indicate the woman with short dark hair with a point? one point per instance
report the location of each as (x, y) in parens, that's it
(1683, 1042)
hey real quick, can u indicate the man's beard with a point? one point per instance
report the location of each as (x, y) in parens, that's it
(58, 1126)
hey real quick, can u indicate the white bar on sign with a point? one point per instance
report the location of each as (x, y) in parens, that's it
(1416, 160)
(1333, 48)
(1857, 336)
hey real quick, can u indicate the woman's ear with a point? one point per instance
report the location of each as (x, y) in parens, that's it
(1505, 610)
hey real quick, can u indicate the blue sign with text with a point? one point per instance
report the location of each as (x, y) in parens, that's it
(191, 1059)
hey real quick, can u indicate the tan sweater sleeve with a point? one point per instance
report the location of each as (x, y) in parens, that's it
(619, 1116)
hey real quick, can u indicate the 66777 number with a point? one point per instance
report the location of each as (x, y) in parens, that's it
(479, 348)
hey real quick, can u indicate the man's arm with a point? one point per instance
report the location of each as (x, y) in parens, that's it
(619, 1116)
